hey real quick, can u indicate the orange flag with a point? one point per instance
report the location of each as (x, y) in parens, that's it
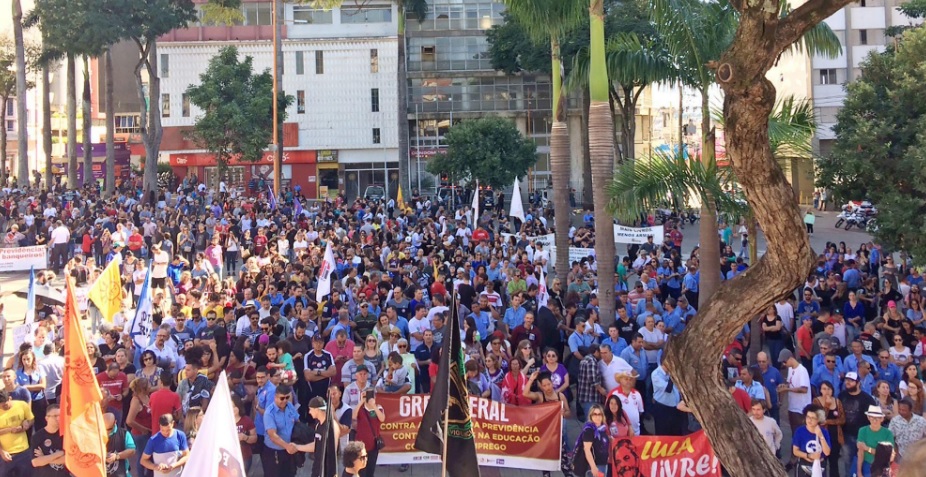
(81, 415)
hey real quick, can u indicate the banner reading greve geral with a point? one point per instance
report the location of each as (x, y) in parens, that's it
(664, 456)
(506, 436)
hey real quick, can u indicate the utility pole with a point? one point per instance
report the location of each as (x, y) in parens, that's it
(277, 148)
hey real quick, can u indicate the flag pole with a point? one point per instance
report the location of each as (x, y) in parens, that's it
(455, 309)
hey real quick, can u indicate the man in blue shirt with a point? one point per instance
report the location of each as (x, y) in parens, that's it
(614, 340)
(635, 356)
(808, 307)
(827, 372)
(852, 276)
(266, 387)
(167, 450)
(580, 339)
(825, 349)
(669, 410)
(279, 419)
(771, 378)
(888, 371)
(483, 320)
(514, 316)
(690, 286)
(852, 361)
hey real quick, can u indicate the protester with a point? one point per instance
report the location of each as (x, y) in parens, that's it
(48, 447)
(16, 418)
(167, 450)
(355, 459)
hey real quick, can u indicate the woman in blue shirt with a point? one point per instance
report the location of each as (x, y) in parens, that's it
(811, 441)
(31, 376)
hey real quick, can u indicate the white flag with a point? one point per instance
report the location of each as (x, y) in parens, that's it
(216, 451)
(324, 275)
(517, 208)
(25, 333)
(476, 206)
(140, 330)
(542, 296)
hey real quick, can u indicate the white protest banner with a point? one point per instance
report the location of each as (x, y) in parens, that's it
(23, 334)
(638, 235)
(23, 258)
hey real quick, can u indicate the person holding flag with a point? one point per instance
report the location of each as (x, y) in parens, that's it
(447, 427)
(106, 292)
(271, 197)
(324, 274)
(82, 420)
(327, 434)
(516, 209)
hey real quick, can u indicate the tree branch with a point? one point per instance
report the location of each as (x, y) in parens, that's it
(792, 27)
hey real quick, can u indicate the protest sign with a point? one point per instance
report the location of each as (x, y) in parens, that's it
(664, 456)
(23, 258)
(506, 436)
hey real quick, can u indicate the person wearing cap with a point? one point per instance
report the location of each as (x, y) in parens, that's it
(318, 368)
(360, 383)
(854, 403)
(797, 385)
(279, 420)
(868, 439)
(321, 467)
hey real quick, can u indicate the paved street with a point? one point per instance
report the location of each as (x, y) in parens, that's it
(14, 310)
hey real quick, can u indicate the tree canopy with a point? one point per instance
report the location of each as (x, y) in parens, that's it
(490, 150)
(238, 108)
(879, 151)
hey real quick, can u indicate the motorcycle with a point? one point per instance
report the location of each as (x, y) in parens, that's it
(841, 218)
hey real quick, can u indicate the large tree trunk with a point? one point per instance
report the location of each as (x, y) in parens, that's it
(601, 147)
(72, 121)
(151, 130)
(110, 127)
(749, 99)
(46, 123)
(402, 100)
(559, 166)
(88, 125)
(3, 101)
(22, 131)
(710, 242)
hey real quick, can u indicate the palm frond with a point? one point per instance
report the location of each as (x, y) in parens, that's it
(544, 19)
(820, 40)
(629, 60)
(695, 33)
(791, 127)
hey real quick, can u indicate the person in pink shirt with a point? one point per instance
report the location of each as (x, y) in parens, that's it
(215, 256)
(341, 348)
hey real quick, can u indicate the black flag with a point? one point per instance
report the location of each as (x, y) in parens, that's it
(328, 453)
(450, 395)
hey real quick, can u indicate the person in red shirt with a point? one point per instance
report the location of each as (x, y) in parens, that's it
(741, 397)
(805, 340)
(247, 433)
(164, 401)
(136, 242)
(114, 385)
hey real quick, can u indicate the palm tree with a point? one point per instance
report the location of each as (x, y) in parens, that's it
(550, 20)
(634, 63)
(21, 87)
(110, 126)
(601, 151)
(697, 34)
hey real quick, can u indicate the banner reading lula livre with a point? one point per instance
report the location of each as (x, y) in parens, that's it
(664, 456)
(506, 436)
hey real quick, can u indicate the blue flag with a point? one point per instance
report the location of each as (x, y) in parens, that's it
(298, 207)
(30, 297)
(273, 199)
(141, 323)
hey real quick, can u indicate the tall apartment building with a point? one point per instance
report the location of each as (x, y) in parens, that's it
(340, 66)
(861, 30)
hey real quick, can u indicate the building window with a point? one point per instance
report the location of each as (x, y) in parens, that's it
(319, 62)
(863, 37)
(10, 125)
(377, 138)
(185, 105)
(311, 16)
(257, 13)
(165, 105)
(300, 63)
(365, 14)
(127, 124)
(10, 107)
(165, 65)
(374, 99)
(300, 101)
(828, 76)
(374, 61)
(428, 53)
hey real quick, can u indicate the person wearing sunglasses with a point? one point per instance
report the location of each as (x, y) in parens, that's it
(279, 419)
(354, 456)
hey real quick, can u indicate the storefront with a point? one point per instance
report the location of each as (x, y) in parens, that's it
(122, 163)
(329, 183)
(298, 169)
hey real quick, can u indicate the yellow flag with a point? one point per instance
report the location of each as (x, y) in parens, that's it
(106, 293)
(399, 200)
(81, 414)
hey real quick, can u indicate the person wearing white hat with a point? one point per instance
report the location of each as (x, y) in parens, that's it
(868, 439)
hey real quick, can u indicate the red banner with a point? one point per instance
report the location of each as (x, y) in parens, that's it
(506, 436)
(664, 456)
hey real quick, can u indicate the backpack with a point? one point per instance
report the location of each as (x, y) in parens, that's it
(567, 462)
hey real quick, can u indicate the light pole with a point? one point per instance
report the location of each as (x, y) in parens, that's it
(277, 147)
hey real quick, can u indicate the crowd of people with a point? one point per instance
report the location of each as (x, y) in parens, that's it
(233, 280)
